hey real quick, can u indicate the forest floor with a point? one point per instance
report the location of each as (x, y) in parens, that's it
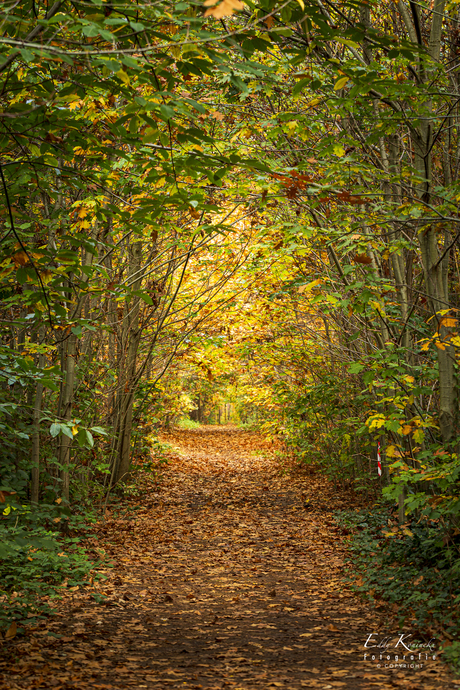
(221, 579)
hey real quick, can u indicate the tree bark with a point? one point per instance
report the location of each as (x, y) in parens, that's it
(35, 451)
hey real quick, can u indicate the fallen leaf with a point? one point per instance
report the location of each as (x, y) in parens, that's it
(12, 630)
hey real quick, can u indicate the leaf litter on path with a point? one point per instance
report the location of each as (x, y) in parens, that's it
(229, 576)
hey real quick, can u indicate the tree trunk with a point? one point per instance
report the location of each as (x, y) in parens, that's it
(35, 451)
(127, 376)
(68, 371)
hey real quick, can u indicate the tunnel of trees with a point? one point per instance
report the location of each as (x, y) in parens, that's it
(249, 203)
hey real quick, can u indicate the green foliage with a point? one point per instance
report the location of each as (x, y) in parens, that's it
(187, 423)
(37, 561)
(320, 427)
(414, 567)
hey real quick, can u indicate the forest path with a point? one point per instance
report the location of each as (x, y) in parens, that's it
(222, 580)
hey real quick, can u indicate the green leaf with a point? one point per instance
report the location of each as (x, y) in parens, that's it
(27, 54)
(90, 30)
(67, 431)
(81, 438)
(147, 299)
(301, 84)
(55, 429)
(137, 26)
(167, 112)
(99, 430)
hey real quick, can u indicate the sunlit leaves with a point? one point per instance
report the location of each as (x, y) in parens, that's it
(223, 9)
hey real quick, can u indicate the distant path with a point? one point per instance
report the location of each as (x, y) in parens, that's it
(225, 580)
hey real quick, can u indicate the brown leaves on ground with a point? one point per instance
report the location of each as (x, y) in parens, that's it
(223, 580)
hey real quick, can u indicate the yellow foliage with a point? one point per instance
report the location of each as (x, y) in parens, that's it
(419, 435)
(449, 322)
(121, 74)
(378, 307)
(310, 286)
(340, 83)
(225, 9)
(393, 452)
(375, 422)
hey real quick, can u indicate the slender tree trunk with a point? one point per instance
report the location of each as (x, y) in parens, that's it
(68, 371)
(35, 451)
(125, 398)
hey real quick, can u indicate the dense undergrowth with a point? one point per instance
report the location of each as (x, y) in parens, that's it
(39, 561)
(44, 551)
(414, 568)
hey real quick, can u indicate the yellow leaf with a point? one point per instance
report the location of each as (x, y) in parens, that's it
(340, 83)
(338, 150)
(406, 429)
(455, 341)
(46, 276)
(375, 422)
(377, 306)
(309, 286)
(302, 4)
(440, 345)
(448, 322)
(418, 436)
(121, 74)
(225, 9)
(75, 430)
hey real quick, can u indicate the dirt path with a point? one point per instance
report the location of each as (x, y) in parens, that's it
(223, 580)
